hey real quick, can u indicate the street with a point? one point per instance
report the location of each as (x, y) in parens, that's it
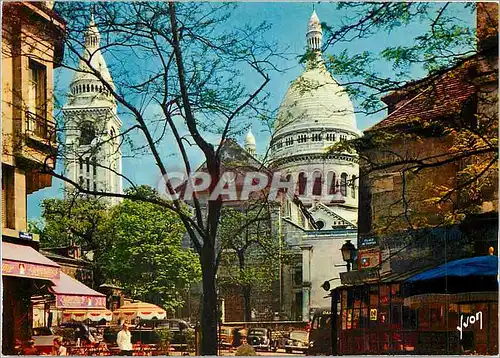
(279, 353)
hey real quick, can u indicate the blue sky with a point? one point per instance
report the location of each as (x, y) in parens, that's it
(289, 22)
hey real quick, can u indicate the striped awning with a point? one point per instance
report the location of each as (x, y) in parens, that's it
(139, 309)
(95, 315)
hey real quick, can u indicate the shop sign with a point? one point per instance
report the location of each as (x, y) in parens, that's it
(75, 301)
(368, 259)
(373, 314)
(24, 269)
(25, 235)
(367, 242)
(469, 321)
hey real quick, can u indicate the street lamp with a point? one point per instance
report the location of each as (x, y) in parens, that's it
(348, 252)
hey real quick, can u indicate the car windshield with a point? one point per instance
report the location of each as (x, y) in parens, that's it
(299, 335)
(255, 332)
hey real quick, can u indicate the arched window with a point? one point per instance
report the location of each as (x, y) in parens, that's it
(88, 88)
(100, 89)
(343, 184)
(316, 190)
(302, 183)
(353, 186)
(331, 180)
(87, 133)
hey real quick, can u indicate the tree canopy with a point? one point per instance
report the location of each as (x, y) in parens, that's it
(146, 256)
(134, 244)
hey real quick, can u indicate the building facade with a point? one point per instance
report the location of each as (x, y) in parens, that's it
(32, 46)
(93, 157)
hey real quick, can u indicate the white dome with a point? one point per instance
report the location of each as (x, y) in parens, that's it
(250, 139)
(315, 99)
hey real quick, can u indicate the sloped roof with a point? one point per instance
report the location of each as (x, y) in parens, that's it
(437, 97)
(234, 158)
(322, 207)
(69, 286)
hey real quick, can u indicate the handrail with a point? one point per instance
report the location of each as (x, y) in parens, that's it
(40, 126)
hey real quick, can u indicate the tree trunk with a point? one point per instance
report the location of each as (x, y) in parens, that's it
(245, 288)
(247, 291)
(209, 300)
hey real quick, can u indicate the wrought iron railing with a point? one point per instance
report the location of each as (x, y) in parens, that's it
(41, 127)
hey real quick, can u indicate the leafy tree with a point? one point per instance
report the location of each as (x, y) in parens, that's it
(251, 252)
(82, 221)
(146, 256)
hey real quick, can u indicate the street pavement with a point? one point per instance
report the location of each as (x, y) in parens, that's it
(279, 353)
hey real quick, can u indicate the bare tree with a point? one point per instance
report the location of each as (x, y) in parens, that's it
(178, 71)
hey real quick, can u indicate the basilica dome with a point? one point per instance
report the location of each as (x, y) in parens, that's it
(315, 99)
(316, 111)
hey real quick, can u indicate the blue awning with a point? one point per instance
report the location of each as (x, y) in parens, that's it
(474, 266)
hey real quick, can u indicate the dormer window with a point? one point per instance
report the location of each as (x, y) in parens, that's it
(330, 137)
(316, 137)
(302, 138)
(289, 141)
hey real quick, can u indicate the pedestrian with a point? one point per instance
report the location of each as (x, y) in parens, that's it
(30, 350)
(124, 341)
(59, 349)
(245, 349)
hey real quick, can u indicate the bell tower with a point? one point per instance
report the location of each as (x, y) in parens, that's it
(93, 157)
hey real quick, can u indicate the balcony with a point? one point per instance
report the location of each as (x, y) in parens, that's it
(40, 129)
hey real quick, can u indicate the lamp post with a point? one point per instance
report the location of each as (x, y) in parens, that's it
(348, 252)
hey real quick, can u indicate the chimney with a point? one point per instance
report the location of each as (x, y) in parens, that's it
(486, 25)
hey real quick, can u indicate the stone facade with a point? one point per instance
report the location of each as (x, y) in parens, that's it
(32, 46)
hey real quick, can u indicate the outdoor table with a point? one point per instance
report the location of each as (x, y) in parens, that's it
(88, 350)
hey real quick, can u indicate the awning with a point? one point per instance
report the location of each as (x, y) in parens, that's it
(71, 293)
(95, 315)
(442, 298)
(25, 261)
(142, 310)
(474, 266)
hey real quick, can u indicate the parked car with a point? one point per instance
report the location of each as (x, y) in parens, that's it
(44, 338)
(320, 338)
(146, 332)
(261, 339)
(298, 341)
